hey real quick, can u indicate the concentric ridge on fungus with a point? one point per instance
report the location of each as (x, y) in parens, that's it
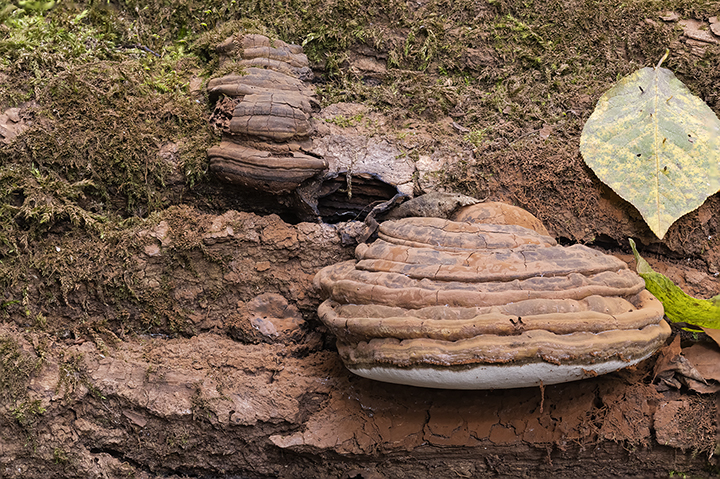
(255, 81)
(447, 304)
(263, 170)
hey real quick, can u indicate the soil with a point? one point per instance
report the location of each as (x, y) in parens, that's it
(185, 341)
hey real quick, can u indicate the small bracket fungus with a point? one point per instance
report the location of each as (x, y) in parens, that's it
(262, 147)
(256, 81)
(279, 116)
(466, 305)
(259, 51)
(272, 145)
(263, 170)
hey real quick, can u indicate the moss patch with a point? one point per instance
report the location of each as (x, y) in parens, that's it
(116, 132)
(16, 367)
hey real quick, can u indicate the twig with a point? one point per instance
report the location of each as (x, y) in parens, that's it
(667, 52)
(141, 47)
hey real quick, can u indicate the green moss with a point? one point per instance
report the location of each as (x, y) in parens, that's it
(26, 411)
(345, 122)
(101, 113)
(16, 367)
(111, 120)
(60, 456)
(34, 48)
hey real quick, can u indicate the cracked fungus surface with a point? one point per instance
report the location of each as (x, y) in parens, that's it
(452, 304)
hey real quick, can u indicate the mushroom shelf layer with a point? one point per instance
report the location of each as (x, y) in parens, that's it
(448, 304)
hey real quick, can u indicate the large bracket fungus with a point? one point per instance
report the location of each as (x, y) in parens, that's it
(467, 305)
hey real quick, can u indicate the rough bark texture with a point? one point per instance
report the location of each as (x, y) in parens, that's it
(258, 392)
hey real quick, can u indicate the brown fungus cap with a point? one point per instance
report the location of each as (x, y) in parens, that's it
(499, 214)
(253, 50)
(451, 304)
(254, 81)
(279, 116)
(263, 170)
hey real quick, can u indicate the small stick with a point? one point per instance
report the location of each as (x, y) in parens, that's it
(141, 47)
(667, 52)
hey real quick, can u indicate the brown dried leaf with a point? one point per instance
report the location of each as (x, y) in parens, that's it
(713, 333)
(705, 358)
(701, 388)
(673, 368)
(664, 367)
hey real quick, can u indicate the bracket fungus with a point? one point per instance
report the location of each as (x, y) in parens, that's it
(259, 51)
(255, 81)
(468, 305)
(263, 170)
(276, 143)
(263, 145)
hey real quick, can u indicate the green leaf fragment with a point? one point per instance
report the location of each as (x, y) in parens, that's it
(656, 145)
(679, 306)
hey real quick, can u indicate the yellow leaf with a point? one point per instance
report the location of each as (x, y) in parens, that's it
(656, 145)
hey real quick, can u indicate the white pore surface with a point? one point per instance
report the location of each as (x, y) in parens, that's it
(491, 376)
